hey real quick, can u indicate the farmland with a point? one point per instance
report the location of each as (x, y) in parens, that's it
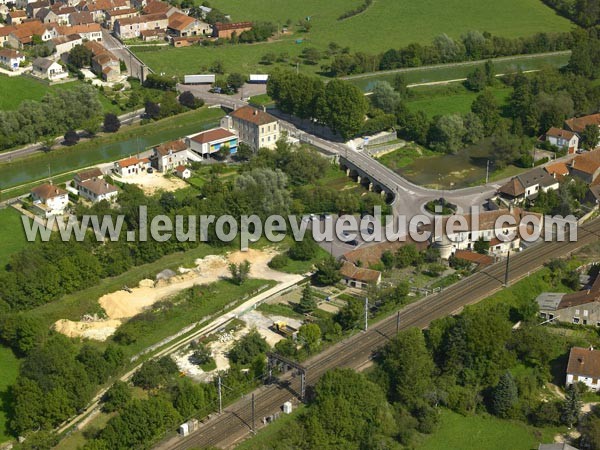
(399, 22)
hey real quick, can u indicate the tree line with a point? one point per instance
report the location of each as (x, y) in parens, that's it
(585, 13)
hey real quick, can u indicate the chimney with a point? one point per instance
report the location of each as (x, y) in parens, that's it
(255, 112)
(264, 108)
(511, 208)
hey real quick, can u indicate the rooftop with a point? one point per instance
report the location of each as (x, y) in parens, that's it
(253, 115)
(588, 162)
(47, 191)
(172, 146)
(349, 270)
(584, 362)
(98, 186)
(212, 135)
(578, 124)
(559, 133)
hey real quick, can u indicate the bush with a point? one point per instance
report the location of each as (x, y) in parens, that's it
(303, 250)
(279, 262)
(111, 123)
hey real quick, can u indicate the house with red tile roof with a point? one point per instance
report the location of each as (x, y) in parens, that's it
(158, 7)
(226, 30)
(132, 27)
(359, 277)
(558, 170)
(578, 124)
(181, 25)
(586, 166)
(255, 127)
(169, 155)
(16, 17)
(131, 166)
(528, 185)
(211, 141)
(584, 367)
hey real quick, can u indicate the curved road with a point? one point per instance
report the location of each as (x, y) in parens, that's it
(227, 429)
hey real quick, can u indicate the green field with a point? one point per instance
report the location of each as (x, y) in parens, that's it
(458, 432)
(442, 100)
(12, 229)
(10, 368)
(15, 90)
(386, 24)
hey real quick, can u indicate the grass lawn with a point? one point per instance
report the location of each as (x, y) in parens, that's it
(265, 436)
(10, 368)
(457, 432)
(386, 24)
(203, 174)
(11, 225)
(14, 90)
(404, 156)
(442, 100)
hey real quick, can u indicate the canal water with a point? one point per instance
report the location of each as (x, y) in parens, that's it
(463, 169)
(65, 160)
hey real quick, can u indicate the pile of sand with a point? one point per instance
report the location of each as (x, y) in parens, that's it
(98, 331)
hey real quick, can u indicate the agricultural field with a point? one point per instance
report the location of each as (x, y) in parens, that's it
(475, 432)
(11, 225)
(386, 24)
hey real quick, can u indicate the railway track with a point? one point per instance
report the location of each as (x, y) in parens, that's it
(236, 421)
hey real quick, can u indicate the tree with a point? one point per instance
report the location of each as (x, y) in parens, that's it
(590, 137)
(80, 56)
(188, 100)
(217, 67)
(155, 373)
(408, 366)
(244, 152)
(400, 85)
(571, 407)
(303, 250)
(474, 130)
(116, 397)
(310, 336)
(408, 255)
(152, 110)
(48, 142)
(201, 355)
(307, 303)
(91, 126)
(248, 348)
(236, 80)
(328, 271)
(477, 80)
(504, 397)
(71, 137)
(447, 133)
(343, 107)
(385, 97)
(111, 123)
(239, 272)
(482, 246)
(487, 109)
(268, 58)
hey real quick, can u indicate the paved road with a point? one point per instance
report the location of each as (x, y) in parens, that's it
(226, 429)
(135, 67)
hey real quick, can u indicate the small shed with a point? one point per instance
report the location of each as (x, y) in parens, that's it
(183, 172)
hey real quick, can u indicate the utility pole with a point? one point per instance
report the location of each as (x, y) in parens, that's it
(219, 392)
(366, 313)
(487, 172)
(253, 411)
(506, 273)
(398, 323)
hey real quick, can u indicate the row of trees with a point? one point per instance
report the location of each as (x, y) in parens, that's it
(338, 104)
(473, 45)
(583, 12)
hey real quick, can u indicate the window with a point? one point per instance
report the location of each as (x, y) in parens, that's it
(576, 312)
(575, 319)
(585, 313)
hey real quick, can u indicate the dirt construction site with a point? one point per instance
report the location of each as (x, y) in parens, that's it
(124, 304)
(153, 182)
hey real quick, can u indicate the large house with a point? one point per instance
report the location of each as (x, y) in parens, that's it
(104, 63)
(528, 185)
(91, 185)
(578, 124)
(119, 14)
(582, 308)
(586, 166)
(211, 141)
(255, 127)
(563, 139)
(49, 200)
(88, 31)
(22, 35)
(132, 27)
(181, 25)
(158, 7)
(485, 226)
(584, 367)
(131, 166)
(11, 58)
(47, 69)
(62, 45)
(169, 155)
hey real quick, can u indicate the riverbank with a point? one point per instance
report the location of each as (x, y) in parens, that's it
(18, 175)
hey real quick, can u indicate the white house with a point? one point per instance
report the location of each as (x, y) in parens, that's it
(494, 227)
(48, 69)
(169, 155)
(563, 139)
(49, 200)
(64, 44)
(183, 172)
(255, 127)
(211, 141)
(11, 58)
(528, 185)
(131, 166)
(584, 367)
(90, 184)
